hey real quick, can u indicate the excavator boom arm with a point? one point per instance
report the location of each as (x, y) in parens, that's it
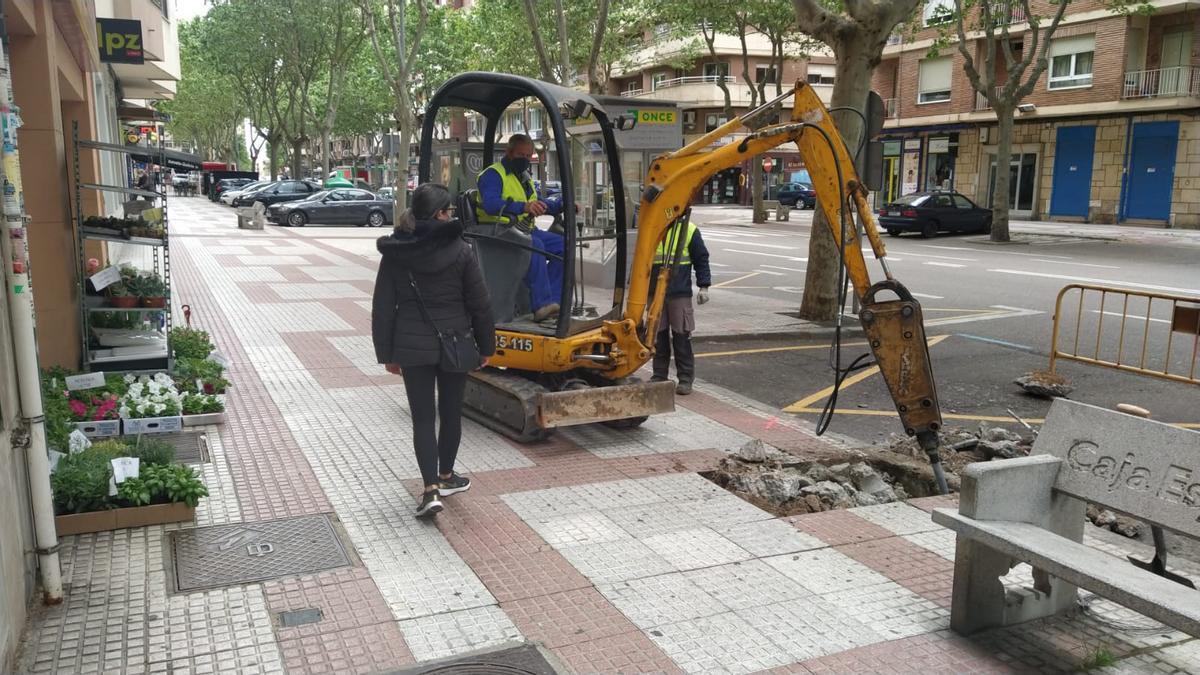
(894, 328)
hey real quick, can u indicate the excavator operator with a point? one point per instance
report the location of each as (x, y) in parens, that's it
(506, 194)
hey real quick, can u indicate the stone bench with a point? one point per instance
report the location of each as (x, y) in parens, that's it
(1032, 510)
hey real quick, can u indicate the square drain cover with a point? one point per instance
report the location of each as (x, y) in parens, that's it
(191, 447)
(229, 555)
(526, 660)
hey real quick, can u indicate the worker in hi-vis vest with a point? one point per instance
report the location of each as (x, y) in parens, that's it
(505, 193)
(678, 317)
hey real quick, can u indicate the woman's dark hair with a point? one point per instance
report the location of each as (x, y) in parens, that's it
(427, 200)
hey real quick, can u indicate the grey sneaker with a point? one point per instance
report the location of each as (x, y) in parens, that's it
(683, 388)
(430, 505)
(453, 485)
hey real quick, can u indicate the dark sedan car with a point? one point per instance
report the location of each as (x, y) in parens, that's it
(279, 191)
(799, 195)
(341, 206)
(933, 212)
(230, 184)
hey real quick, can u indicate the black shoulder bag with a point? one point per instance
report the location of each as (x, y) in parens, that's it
(459, 353)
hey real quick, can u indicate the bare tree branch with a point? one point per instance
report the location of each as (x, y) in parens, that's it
(564, 46)
(597, 43)
(539, 46)
(1027, 87)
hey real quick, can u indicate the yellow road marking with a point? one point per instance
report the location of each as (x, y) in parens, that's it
(954, 416)
(767, 350)
(734, 281)
(853, 379)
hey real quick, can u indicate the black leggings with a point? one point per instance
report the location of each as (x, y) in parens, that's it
(435, 451)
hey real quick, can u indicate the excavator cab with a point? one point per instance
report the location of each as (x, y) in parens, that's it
(576, 165)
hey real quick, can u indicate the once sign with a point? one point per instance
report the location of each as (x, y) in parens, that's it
(1138, 466)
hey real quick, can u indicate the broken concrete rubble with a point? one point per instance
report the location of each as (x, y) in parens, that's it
(1044, 384)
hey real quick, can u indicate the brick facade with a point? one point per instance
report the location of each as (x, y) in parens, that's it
(1106, 104)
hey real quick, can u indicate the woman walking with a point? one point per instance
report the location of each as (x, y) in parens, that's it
(431, 320)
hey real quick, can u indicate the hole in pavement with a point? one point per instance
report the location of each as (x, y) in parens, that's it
(786, 485)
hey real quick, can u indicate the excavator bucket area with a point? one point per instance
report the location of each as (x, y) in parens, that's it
(605, 404)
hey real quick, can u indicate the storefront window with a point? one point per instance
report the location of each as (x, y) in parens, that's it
(939, 162)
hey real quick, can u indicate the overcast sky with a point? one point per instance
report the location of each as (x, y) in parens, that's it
(187, 9)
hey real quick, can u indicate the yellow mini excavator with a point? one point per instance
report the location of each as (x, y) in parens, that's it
(578, 368)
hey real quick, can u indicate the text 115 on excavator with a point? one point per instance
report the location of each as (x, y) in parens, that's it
(579, 368)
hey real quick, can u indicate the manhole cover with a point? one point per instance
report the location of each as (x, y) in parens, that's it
(229, 555)
(527, 660)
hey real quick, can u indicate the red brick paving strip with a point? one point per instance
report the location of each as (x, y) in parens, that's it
(838, 527)
(919, 570)
(357, 632)
(567, 618)
(780, 432)
(630, 652)
(942, 652)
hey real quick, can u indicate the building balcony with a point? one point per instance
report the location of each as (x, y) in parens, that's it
(891, 108)
(1173, 82)
(981, 101)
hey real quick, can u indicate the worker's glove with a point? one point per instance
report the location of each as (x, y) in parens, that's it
(702, 296)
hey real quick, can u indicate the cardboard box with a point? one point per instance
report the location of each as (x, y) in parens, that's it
(152, 425)
(117, 519)
(201, 420)
(100, 428)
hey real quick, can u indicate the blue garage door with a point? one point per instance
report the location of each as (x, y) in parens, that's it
(1072, 188)
(1151, 170)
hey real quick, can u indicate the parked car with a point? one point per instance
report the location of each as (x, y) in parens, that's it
(180, 179)
(799, 195)
(228, 196)
(932, 212)
(229, 184)
(341, 206)
(388, 192)
(279, 191)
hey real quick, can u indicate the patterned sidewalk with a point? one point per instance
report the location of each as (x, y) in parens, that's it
(604, 547)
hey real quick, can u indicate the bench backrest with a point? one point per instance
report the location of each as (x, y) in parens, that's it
(1140, 467)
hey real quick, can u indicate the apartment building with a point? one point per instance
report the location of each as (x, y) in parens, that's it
(667, 66)
(1109, 134)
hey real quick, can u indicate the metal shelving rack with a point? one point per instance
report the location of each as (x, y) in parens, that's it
(126, 360)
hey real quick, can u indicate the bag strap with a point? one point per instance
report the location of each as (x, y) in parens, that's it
(412, 281)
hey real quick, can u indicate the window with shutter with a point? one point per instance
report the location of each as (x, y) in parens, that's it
(935, 76)
(1071, 62)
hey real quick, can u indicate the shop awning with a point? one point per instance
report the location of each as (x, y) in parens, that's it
(171, 159)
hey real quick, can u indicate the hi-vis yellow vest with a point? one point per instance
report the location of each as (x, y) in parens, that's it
(512, 189)
(663, 255)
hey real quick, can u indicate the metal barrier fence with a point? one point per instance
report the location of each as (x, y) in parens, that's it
(1159, 331)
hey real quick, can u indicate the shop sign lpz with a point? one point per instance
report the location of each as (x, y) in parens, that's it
(516, 344)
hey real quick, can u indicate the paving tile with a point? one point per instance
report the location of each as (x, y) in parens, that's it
(255, 274)
(940, 542)
(808, 627)
(605, 563)
(942, 653)
(347, 599)
(724, 511)
(630, 653)
(567, 618)
(315, 291)
(577, 528)
(366, 649)
(770, 537)
(743, 585)
(891, 610)
(272, 260)
(838, 527)
(452, 633)
(695, 548)
(825, 571)
(342, 273)
(649, 520)
(516, 575)
(725, 643)
(658, 600)
(897, 517)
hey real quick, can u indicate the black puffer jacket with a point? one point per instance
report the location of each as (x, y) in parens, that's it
(451, 284)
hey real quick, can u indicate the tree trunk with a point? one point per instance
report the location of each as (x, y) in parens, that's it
(756, 190)
(273, 158)
(1000, 201)
(297, 155)
(326, 153)
(821, 272)
(406, 133)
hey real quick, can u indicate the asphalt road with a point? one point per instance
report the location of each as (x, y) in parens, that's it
(989, 314)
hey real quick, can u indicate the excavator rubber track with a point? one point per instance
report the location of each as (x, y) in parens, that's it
(506, 403)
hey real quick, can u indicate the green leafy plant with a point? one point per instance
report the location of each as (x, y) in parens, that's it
(181, 484)
(151, 451)
(147, 286)
(210, 374)
(80, 483)
(190, 343)
(111, 448)
(134, 492)
(119, 290)
(1098, 658)
(56, 409)
(201, 404)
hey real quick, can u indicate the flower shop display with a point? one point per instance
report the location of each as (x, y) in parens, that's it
(116, 484)
(203, 409)
(200, 376)
(150, 289)
(92, 410)
(190, 343)
(149, 226)
(151, 405)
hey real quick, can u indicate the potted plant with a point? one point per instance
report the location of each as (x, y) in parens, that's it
(200, 376)
(161, 491)
(120, 296)
(202, 409)
(151, 290)
(151, 405)
(190, 343)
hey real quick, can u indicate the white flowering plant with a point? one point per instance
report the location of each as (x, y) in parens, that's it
(151, 397)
